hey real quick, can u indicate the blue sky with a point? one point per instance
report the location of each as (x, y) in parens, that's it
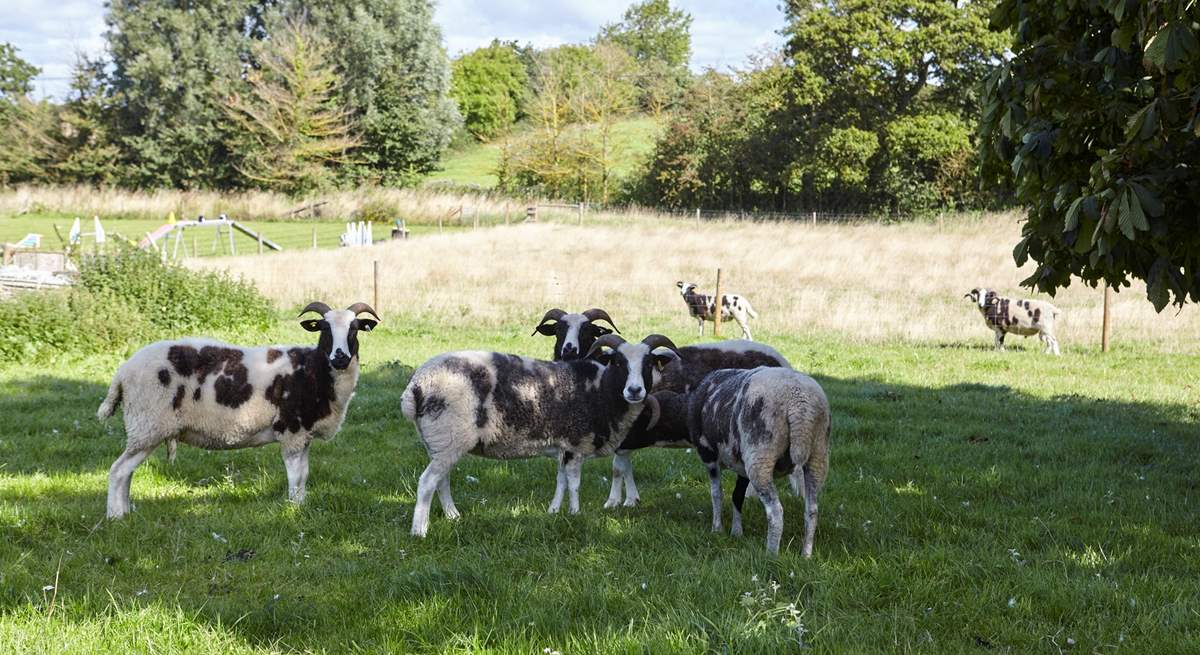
(724, 32)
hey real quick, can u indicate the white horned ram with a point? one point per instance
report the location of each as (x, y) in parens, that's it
(1017, 316)
(762, 423)
(703, 307)
(219, 396)
(508, 407)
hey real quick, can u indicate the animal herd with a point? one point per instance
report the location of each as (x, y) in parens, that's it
(738, 404)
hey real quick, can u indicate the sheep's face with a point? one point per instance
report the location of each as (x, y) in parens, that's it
(635, 367)
(978, 296)
(339, 330)
(685, 287)
(573, 334)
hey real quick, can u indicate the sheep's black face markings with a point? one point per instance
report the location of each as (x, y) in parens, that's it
(304, 395)
(573, 336)
(339, 335)
(231, 385)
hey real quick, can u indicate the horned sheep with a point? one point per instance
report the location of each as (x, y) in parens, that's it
(762, 423)
(703, 307)
(219, 396)
(1015, 316)
(507, 407)
(574, 334)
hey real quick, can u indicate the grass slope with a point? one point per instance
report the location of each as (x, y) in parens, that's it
(476, 164)
(977, 502)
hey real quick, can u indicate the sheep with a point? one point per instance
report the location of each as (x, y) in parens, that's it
(680, 376)
(704, 308)
(761, 423)
(1023, 317)
(219, 396)
(574, 334)
(506, 407)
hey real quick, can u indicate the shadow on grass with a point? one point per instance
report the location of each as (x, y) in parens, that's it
(953, 478)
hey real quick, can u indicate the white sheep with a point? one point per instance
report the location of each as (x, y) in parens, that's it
(218, 396)
(703, 307)
(1017, 316)
(762, 423)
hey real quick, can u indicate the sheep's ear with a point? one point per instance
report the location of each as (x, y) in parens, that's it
(661, 361)
(366, 324)
(601, 330)
(546, 329)
(603, 356)
(312, 324)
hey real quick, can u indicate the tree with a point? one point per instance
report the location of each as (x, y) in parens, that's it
(172, 64)
(490, 85)
(396, 81)
(16, 77)
(1094, 121)
(650, 30)
(295, 132)
(659, 40)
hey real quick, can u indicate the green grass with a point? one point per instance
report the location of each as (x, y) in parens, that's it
(476, 164)
(977, 502)
(289, 235)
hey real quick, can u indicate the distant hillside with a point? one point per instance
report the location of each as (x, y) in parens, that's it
(633, 141)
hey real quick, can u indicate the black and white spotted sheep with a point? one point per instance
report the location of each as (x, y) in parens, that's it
(507, 407)
(679, 377)
(1017, 316)
(762, 423)
(574, 334)
(218, 396)
(703, 307)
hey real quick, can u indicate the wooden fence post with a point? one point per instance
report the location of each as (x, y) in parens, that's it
(697, 217)
(814, 219)
(375, 305)
(579, 210)
(506, 208)
(1106, 329)
(717, 305)
(232, 247)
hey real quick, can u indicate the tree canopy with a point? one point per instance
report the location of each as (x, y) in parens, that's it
(1095, 122)
(491, 86)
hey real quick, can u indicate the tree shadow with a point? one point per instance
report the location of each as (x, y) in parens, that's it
(968, 471)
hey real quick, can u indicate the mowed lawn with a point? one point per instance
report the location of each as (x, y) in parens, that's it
(978, 502)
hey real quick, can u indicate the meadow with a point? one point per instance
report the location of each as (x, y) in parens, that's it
(978, 501)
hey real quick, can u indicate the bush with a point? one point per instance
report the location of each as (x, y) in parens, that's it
(126, 300)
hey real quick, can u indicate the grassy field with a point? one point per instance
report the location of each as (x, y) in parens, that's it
(632, 140)
(977, 501)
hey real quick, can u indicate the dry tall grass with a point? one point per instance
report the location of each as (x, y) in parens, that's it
(414, 205)
(866, 282)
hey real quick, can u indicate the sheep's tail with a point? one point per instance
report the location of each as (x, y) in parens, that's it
(410, 403)
(112, 399)
(749, 309)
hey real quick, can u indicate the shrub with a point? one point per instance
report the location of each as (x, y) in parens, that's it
(125, 300)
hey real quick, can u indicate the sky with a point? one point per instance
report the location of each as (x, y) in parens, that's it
(724, 32)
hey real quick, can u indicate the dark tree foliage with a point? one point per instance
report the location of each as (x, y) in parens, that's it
(1095, 122)
(16, 74)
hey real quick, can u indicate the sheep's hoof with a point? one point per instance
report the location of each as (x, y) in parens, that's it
(452, 514)
(632, 501)
(735, 531)
(611, 503)
(418, 532)
(553, 509)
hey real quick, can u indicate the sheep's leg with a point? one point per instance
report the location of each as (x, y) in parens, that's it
(739, 497)
(295, 460)
(620, 461)
(745, 325)
(999, 339)
(631, 491)
(701, 322)
(119, 477)
(764, 485)
(1057, 352)
(560, 485)
(172, 444)
(447, 500)
(714, 480)
(812, 488)
(795, 480)
(429, 482)
(574, 468)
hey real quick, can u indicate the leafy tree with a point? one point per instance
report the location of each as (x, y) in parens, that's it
(16, 77)
(660, 41)
(172, 64)
(1095, 122)
(294, 130)
(490, 85)
(650, 30)
(396, 81)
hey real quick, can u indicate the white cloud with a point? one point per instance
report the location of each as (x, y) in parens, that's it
(724, 32)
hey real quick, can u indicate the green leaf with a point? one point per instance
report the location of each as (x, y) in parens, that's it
(1125, 214)
(1072, 220)
(1150, 202)
(1170, 47)
(1136, 215)
(1157, 294)
(1143, 123)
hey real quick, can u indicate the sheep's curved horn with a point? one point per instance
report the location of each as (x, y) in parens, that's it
(659, 341)
(610, 340)
(597, 314)
(555, 314)
(655, 411)
(360, 307)
(315, 306)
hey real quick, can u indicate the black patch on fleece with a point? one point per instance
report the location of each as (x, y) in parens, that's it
(306, 394)
(671, 428)
(164, 377)
(695, 363)
(231, 386)
(177, 401)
